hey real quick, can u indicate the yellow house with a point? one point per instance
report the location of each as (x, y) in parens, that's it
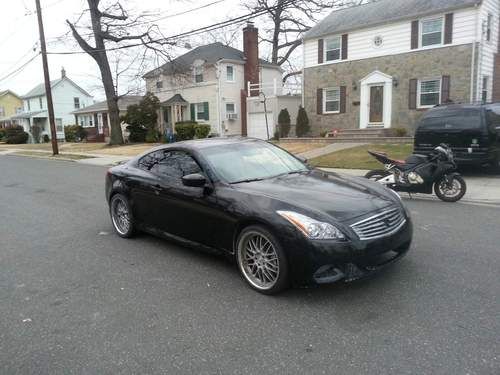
(10, 104)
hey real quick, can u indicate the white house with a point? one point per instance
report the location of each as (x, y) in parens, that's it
(383, 64)
(67, 96)
(212, 83)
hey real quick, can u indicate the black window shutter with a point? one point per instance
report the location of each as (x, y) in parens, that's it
(445, 89)
(412, 97)
(193, 115)
(345, 40)
(320, 51)
(343, 98)
(414, 34)
(205, 110)
(448, 28)
(319, 101)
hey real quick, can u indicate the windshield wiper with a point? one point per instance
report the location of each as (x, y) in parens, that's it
(246, 180)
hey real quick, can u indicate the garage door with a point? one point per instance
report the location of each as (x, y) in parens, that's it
(257, 125)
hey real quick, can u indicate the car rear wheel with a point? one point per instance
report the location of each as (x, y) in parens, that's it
(261, 260)
(121, 216)
(451, 190)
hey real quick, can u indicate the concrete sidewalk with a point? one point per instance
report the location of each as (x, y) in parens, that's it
(480, 189)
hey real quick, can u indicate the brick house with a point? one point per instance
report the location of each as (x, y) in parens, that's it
(382, 64)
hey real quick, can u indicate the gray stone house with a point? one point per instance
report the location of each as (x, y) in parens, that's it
(383, 64)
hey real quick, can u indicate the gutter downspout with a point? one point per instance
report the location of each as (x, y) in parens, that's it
(472, 67)
(219, 100)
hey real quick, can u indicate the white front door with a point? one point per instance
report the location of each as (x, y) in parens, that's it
(376, 101)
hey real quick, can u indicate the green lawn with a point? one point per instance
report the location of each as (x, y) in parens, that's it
(358, 157)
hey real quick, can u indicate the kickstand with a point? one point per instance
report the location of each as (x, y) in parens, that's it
(411, 197)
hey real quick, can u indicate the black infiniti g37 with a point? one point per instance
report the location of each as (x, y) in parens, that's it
(282, 221)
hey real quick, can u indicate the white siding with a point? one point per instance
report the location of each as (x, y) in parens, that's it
(488, 49)
(396, 39)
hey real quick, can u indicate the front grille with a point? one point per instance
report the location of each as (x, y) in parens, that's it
(380, 225)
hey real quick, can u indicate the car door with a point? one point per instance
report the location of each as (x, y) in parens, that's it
(144, 186)
(186, 212)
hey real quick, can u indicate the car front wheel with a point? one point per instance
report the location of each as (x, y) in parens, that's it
(121, 216)
(261, 260)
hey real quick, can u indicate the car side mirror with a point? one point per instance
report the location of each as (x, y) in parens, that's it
(194, 180)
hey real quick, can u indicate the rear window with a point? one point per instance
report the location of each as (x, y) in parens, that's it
(464, 118)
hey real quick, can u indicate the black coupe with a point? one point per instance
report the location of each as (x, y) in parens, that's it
(283, 222)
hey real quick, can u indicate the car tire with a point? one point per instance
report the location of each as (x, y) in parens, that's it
(261, 260)
(376, 175)
(453, 198)
(121, 216)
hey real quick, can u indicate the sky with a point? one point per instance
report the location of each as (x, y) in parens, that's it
(19, 39)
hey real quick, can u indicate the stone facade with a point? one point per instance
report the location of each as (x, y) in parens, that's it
(454, 61)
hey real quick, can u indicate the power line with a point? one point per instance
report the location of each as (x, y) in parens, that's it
(212, 27)
(19, 69)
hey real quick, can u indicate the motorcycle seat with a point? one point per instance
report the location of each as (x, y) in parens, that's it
(416, 159)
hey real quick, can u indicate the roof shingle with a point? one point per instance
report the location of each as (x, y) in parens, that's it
(382, 11)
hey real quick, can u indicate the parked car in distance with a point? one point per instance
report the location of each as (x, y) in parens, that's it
(471, 130)
(282, 221)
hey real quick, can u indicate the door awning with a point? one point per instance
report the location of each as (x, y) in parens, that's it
(176, 99)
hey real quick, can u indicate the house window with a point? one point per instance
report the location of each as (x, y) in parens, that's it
(432, 32)
(201, 111)
(198, 74)
(331, 100)
(488, 27)
(429, 93)
(159, 85)
(230, 109)
(484, 93)
(230, 73)
(59, 125)
(91, 121)
(76, 102)
(332, 48)
(2, 111)
(40, 101)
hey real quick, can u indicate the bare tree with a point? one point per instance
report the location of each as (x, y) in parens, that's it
(289, 20)
(110, 22)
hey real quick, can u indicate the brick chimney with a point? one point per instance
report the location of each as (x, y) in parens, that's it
(251, 53)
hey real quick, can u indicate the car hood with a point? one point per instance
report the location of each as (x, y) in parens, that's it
(342, 198)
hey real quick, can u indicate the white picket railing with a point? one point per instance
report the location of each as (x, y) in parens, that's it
(274, 88)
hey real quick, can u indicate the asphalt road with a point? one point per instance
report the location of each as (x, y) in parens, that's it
(77, 299)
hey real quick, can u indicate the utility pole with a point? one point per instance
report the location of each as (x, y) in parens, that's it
(48, 90)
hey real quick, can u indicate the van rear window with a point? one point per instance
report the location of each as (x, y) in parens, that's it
(452, 119)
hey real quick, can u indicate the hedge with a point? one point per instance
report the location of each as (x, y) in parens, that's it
(74, 133)
(16, 135)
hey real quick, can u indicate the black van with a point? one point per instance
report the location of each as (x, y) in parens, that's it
(471, 130)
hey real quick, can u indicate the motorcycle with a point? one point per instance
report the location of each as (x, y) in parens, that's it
(420, 173)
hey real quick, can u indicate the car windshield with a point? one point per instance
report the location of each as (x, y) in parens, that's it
(250, 161)
(452, 119)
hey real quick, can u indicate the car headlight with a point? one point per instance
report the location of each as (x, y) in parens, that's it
(313, 229)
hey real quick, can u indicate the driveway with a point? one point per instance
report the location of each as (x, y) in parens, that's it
(77, 299)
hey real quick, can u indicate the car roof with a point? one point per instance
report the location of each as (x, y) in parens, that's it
(199, 144)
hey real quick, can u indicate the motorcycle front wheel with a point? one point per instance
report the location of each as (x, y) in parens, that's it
(377, 175)
(451, 190)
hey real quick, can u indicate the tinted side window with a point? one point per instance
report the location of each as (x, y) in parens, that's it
(148, 161)
(452, 119)
(173, 165)
(493, 117)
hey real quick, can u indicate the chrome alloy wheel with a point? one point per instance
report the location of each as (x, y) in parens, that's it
(258, 260)
(120, 216)
(450, 190)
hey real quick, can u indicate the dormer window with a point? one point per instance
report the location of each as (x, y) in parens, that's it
(159, 85)
(198, 73)
(432, 32)
(333, 48)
